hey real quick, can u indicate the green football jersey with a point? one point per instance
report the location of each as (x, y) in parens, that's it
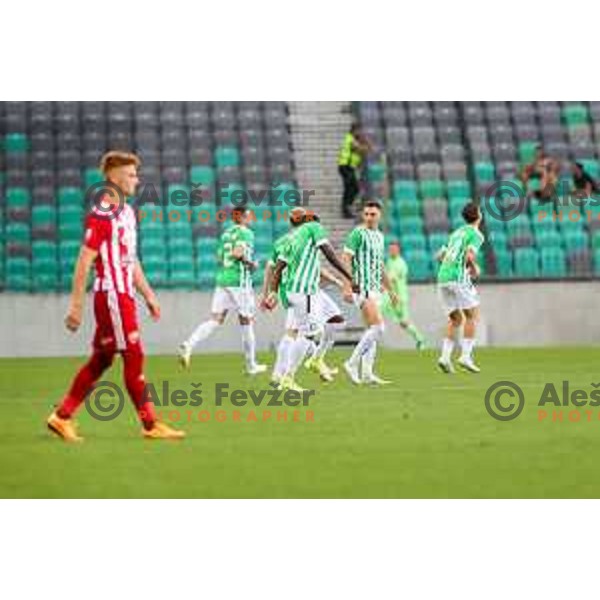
(278, 248)
(367, 249)
(397, 271)
(301, 255)
(454, 268)
(233, 272)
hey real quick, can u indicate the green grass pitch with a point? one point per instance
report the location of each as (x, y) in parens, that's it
(426, 435)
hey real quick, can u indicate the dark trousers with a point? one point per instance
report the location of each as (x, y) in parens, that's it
(351, 189)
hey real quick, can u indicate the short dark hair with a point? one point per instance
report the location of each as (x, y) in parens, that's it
(373, 204)
(470, 212)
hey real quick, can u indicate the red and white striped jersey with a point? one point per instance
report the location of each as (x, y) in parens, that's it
(115, 240)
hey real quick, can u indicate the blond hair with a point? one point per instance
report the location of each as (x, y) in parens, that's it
(115, 158)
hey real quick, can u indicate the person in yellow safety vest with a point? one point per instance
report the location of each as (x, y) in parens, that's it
(355, 148)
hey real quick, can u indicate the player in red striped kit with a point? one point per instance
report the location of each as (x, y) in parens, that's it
(110, 246)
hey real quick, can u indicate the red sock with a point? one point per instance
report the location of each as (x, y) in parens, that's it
(133, 365)
(84, 380)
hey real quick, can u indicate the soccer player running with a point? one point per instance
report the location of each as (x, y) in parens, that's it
(397, 272)
(364, 253)
(234, 291)
(300, 258)
(457, 292)
(110, 246)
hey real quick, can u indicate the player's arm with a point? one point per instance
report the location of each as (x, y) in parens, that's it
(328, 277)
(335, 262)
(143, 287)
(441, 254)
(347, 288)
(471, 263)
(86, 259)
(267, 278)
(239, 253)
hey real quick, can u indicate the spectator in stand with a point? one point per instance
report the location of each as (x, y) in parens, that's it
(547, 171)
(583, 182)
(355, 148)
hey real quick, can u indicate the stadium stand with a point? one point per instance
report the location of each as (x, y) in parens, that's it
(49, 158)
(433, 156)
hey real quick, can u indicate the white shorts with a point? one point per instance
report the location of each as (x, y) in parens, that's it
(360, 299)
(233, 298)
(458, 296)
(326, 307)
(302, 314)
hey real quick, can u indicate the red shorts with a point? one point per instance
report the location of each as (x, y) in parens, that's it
(117, 326)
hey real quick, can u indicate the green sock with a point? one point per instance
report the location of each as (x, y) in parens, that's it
(415, 333)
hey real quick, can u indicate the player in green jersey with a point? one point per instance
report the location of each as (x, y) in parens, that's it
(299, 259)
(234, 291)
(328, 315)
(397, 272)
(459, 297)
(364, 254)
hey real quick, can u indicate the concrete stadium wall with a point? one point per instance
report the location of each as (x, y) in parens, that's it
(518, 314)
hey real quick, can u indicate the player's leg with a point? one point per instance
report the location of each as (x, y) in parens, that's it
(245, 305)
(221, 303)
(468, 341)
(129, 343)
(60, 421)
(455, 323)
(414, 332)
(304, 320)
(281, 365)
(367, 346)
(331, 320)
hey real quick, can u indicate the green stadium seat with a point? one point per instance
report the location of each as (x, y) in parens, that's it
(553, 263)
(376, 172)
(43, 250)
(227, 156)
(16, 142)
(437, 241)
(412, 242)
(70, 229)
(18, 233)
(182, 273)
(419, 264)
(503, 261)
(575, 239)
(229, 196)
(526, 263)
(459, 189)
(92, 176)
(431, 188)
(485, 171)
(18, 274)
(17, 198)
(42, 216)
(498, 239)
(70, 196)
(404, 190)
(45, 274)
(575, 114)
(409, 207)
(203, 175)
(410, 225)
(597, 262)
(548, 238)
(527, 151)
(68, 251)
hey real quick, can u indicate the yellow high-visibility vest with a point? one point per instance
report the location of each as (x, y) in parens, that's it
(348, 156)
